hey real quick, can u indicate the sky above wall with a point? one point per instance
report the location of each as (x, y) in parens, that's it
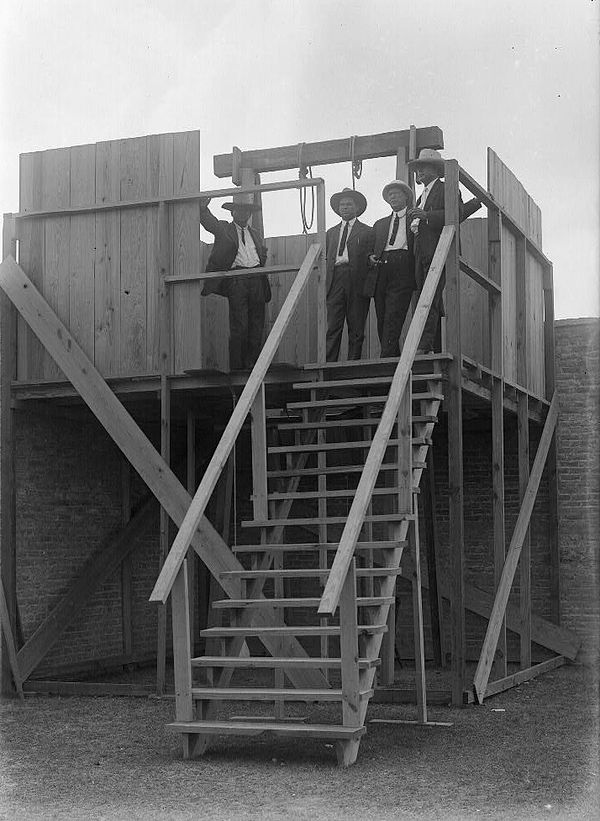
(521, 76)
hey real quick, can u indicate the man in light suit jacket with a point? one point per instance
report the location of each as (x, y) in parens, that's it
(238, 246)
(426, 222)
(392, 279)
(347, 252)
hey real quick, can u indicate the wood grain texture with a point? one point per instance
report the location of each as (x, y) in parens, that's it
(82, 248)
(107, 267)
(30, 355)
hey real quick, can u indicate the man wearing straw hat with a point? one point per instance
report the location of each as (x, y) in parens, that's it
(392, 279)
(238, 246)
(426, 223)
(347, 252)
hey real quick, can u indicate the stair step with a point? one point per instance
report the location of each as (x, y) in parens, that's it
(331, 446)
(390, 361)
(327, 471)
(364, 382)
(286, 630)
(302, 573)
(334, 494)
(283, 603)
(269, 694)
(373, 421)
(306, 546)
(277, 662)
(277, 728)
(359, 400)
(328, 520)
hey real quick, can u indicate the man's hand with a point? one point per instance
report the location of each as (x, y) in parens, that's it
(204, 202)
(417, 214)
(373, 259)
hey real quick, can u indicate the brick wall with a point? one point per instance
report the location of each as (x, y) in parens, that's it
(578, 442)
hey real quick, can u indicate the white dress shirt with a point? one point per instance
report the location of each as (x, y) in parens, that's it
(400, 243)
(343, 259)
(414, 226)
(247, 255)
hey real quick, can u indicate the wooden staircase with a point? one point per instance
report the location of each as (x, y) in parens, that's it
(304, 482)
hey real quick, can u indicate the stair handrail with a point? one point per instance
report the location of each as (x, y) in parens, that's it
(345, 551)
(201, 498)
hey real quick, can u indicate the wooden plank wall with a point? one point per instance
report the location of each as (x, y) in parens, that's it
(100, 272)
(513, 197)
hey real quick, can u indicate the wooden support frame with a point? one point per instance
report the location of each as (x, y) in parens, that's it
(126, 569)
(432, 547)
(127, 435)
(525, 560)
(165, 452)
(482, 673)
(455, 435)
(8, 576)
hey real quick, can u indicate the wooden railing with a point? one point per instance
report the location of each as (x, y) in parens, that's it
(345, 551)
(209, 480)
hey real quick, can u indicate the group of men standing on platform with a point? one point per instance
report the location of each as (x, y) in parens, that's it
(387, 262)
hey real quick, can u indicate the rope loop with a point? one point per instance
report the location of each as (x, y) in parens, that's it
(305, 171)
(356, 164)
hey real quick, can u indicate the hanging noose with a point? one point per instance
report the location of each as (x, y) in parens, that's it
(356, 164)
(305, 171)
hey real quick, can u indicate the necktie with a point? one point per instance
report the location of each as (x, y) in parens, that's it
(243, 237)
(395, 229)
(342, 247)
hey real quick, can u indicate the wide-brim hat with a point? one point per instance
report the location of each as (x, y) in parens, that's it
(429, 156)
(407, 190)
(359, 199)
(234, 206)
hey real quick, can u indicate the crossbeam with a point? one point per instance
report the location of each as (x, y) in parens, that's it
(490, 642)
(127, 435)
(328, 152)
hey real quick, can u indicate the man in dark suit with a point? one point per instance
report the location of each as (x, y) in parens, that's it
(426, 223)
(347, 252)
(392, 279)
(238, 246)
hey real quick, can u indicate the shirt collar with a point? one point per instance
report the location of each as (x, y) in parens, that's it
(350, 222)
(399, 213)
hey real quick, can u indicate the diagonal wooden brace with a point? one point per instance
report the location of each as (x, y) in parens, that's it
(118, 423)
(490, 642)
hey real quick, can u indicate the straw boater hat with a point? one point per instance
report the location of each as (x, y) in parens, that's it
(429, 156)
(359, 199)
(407, 190)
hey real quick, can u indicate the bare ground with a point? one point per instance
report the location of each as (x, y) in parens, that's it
(530, 753)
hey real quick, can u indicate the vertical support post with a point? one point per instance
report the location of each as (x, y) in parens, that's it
(419, 639)
(525, 558)
(551, 462)
(165, 452)
(193, 560)
(182, 670)
(8, 559)
(126, 571)
(322, 282)
(349, 651)
(455, 436)
(523, 444)
(258, 417)
(497, 365)
(432, 545)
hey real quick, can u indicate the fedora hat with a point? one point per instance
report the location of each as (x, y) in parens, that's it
(429, 156)
(359, 199)
(248, 206)
(406, 189)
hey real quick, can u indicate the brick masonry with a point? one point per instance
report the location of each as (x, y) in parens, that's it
(69, 502)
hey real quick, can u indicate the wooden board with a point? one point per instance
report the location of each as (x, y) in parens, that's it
(107, 265)
(82, 242)
(473, 298)
(30, 355)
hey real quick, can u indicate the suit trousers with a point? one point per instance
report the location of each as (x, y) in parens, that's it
(345, 303)
(431, 338)
(246, 320)
(393, 292)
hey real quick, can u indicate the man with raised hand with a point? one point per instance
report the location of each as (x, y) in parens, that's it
(238, 246)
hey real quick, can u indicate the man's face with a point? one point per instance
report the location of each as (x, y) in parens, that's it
(347, 208)
(426, 174)
(397, 199)
(241, 216)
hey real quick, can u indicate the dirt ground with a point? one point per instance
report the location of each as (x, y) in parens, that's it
(530, 753)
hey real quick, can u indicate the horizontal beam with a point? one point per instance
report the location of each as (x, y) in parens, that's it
(249, 272)
(217, 193)
(480, 278)
(329, 151)
(502, 684)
